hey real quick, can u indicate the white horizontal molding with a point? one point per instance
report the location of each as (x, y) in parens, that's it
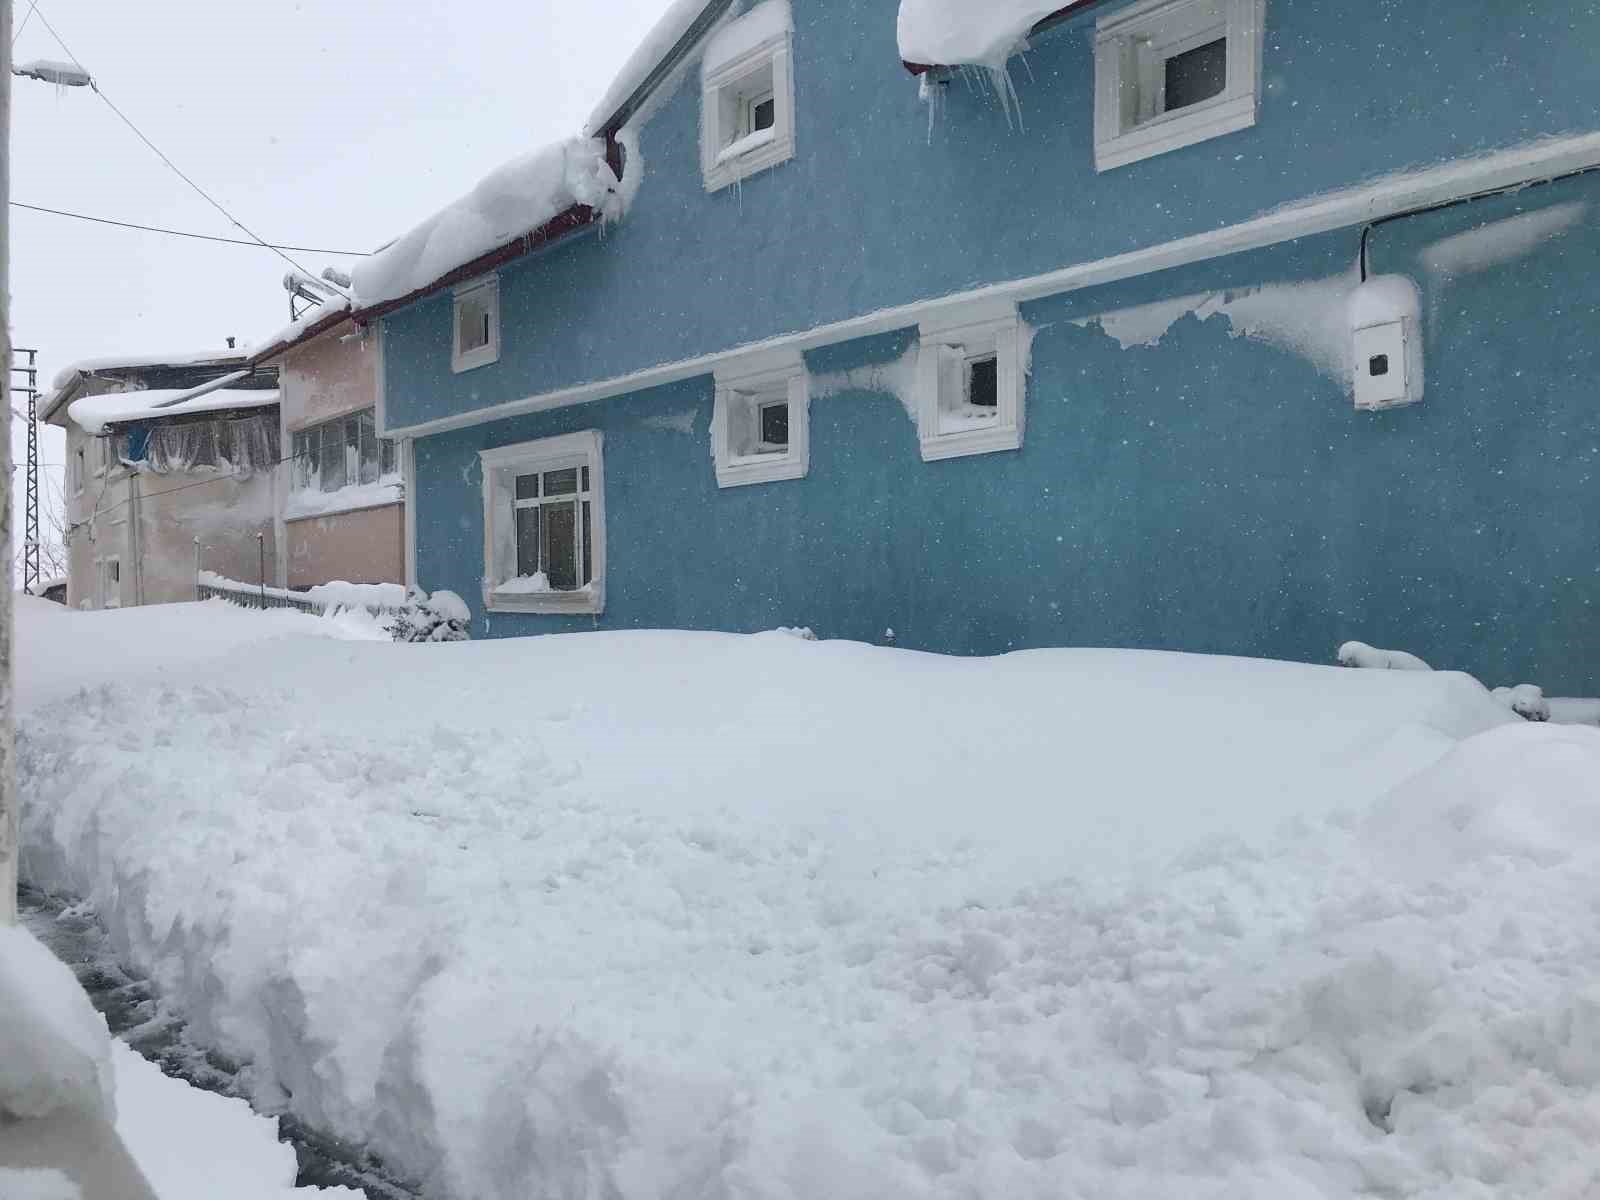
(1386, 197)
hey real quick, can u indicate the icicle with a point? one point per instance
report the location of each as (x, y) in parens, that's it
(931, 91)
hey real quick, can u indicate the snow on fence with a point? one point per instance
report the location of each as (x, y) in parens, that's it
(376, 598)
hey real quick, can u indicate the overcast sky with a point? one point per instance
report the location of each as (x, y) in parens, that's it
(333, 125)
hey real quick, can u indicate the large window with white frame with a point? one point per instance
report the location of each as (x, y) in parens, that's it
(343, 453)
(544, 525)
(476, 322)
(761, 420)
(748, 95)
(971, 382)
(1170, 73)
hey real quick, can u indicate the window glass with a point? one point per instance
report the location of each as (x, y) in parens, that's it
(1196, 75)
(369, 447)
(588, 559)
(763, 113)
(560, 536)
(472, 316)
(386, 457)
(983, 382)
(561, 483)
(527, 541)
(775, 427)
(527, 487)
(332, 460)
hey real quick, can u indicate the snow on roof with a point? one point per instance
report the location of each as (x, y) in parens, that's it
(515, 199)
(669, 30)
(94, 413)
(296, 329)
(120, 362)
(960, 33)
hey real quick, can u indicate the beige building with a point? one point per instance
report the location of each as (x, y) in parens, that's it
(172, 467)
(343, 516)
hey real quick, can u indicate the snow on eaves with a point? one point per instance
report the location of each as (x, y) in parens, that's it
(953, 33)
(296, 329)
(669, 30)
(513, 200)
(129, 362)
(93, 413)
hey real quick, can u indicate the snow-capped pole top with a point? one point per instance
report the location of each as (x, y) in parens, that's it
(954, 33)
(513, 201)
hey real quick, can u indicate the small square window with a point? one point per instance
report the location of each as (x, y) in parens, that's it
(747, 119)
(477, 325)
(760, 421)
(1170, 73)
(971, 380)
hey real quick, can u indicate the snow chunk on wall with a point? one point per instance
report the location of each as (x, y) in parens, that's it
(55, 1053)
(960, 33)
(515, 199)
(1501, 242)
(1309, 318)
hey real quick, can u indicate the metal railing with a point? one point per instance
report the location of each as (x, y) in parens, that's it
(250, 597)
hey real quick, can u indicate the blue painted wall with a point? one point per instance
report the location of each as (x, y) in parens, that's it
(1212, 492)
(874, 212)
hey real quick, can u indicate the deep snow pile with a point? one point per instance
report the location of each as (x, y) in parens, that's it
(654, 915)
(514, 199)
(952, 33)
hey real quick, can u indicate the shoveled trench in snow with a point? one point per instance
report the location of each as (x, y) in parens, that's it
(692, 914)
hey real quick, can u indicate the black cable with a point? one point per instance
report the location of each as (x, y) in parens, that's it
(203, 237)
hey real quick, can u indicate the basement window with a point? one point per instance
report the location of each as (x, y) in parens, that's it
(760, 421)
(477, 325)
(1170, 73)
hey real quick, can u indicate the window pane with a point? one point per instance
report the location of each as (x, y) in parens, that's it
(561, 545)
(304, 468)
(369, 447)
(527, 541)
(352, 449)
(386, 457)
(764, 114)
(332, 459)
(775, 426)
(983, 382)
(472, 316)
(1197, 74)
(527, 487)
(561, 483)
(588, 558)
(586, 479)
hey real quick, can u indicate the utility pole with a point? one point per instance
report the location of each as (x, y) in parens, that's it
(8, 742)
(30, 526)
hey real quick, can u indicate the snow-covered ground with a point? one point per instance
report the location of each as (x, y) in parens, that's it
(694, 915)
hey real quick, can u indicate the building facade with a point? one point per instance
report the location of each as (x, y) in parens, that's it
(167, 474)
(343, 516)
(1231, 326)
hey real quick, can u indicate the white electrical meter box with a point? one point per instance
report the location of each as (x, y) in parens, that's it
(1386, 343)
(1381, 370)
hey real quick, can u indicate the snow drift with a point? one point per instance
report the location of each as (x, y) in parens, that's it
(649, 915)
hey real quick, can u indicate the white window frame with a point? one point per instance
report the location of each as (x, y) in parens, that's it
(949, 343)
(487, 288)
(744, 388)
(500, 467)
(1150, 33)
(728, 97)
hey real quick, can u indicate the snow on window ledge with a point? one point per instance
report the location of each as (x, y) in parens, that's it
(747, 144)
(533, 594)
(305, 504)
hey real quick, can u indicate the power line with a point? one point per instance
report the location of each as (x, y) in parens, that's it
(126, 120)
(203, 237)
(24, 24)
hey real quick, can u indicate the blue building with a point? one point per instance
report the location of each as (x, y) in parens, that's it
(1244, 326)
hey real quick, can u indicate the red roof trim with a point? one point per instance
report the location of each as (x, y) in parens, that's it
(574, 220)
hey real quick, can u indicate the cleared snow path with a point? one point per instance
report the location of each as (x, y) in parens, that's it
(674, 915)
